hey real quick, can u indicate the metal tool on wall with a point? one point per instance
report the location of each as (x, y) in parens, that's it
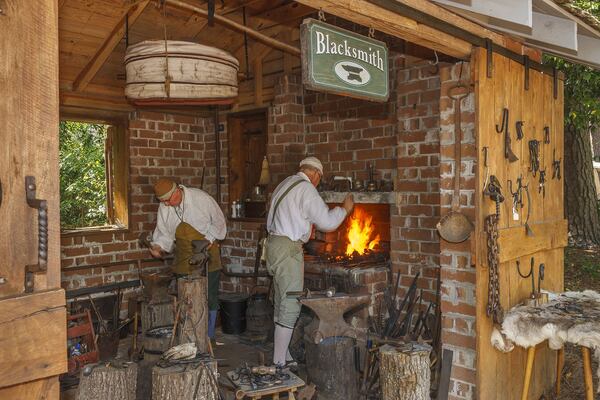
(508, 153)
(542, 182)
(494, 191)
(455, 227)
(555, 166)
(485, 166)
(519, 127)
(536, 296)
(546, 135)
(534, 156)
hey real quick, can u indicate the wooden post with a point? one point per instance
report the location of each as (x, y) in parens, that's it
(587, 373)
(405, 372)
(192, 295)
(528, 370)
(196, 381)
(560, 361)
(109, 382)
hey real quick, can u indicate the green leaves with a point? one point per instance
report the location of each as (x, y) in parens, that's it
(82, 174)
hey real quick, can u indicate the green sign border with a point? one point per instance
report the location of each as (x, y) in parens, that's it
(306, 30)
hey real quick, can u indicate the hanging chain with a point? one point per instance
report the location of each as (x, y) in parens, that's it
(321, 15)
(494, 308)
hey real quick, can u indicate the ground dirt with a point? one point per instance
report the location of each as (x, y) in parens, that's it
(582, 271)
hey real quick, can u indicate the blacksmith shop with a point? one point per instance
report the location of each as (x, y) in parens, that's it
(265, 199)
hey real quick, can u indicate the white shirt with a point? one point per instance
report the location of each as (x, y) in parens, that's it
(301, 208)
(198, 209)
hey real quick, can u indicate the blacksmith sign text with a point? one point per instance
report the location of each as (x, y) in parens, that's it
(343, 62)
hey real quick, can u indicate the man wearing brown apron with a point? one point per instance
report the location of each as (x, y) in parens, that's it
(184, 215)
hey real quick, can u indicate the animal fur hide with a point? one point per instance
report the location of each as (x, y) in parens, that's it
(572, 317)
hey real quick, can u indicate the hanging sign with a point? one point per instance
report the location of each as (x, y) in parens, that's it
(339, 61)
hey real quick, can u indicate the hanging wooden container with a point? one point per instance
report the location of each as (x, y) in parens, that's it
(185, 74)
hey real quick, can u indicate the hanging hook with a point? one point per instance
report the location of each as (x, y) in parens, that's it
(435, 65)
(321, 15)
(371, 32)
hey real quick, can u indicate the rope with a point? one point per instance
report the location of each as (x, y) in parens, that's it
(167, 75)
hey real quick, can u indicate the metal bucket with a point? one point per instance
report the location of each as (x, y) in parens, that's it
(157, 340)
(259, 315)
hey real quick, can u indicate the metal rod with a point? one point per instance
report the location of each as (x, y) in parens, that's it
(217, 154)
(269, 41)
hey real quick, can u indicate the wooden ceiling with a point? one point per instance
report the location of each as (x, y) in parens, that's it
(92, 41)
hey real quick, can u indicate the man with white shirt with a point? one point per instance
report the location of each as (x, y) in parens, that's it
(184, 215)
(295, 207)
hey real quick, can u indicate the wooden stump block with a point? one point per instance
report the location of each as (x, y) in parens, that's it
(157, 314)
(192, 297)
(404, 372)
(108, 382)
(194, 381)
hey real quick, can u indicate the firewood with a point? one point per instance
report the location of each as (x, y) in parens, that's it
(107, 381)
(404, 372)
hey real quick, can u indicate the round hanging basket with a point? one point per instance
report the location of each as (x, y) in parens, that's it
(196, 74)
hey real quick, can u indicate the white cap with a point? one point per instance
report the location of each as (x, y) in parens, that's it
(313, 162)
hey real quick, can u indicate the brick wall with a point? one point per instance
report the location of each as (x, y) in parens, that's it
(415, 241)
(160, 145)
(458, 276)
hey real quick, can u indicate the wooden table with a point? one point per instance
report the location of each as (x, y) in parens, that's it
(244, 390)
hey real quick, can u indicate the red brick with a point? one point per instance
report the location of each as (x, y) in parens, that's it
(111, 247)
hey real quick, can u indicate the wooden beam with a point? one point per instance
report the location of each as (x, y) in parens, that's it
(516, 12)
(94, 102)
(515, 243)
(436, 11)
(365, 13)
(269, 41)
(110, 43)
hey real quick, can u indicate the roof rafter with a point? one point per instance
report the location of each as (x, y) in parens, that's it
(108, 46)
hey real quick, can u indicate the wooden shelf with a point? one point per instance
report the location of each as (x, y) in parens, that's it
(360, 197)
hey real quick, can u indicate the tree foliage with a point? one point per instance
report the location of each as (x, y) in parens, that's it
(582, 114)
(82, 175)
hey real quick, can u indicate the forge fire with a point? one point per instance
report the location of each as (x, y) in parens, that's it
(361, 235)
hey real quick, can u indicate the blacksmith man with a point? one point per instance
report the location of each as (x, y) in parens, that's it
(295, 207)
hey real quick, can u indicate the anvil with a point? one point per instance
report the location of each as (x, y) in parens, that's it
(330, 315)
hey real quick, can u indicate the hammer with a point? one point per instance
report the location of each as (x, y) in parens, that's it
(330, 292)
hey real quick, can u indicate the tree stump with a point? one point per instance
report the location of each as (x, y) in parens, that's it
(193, 320)
(157, 314)
(194, 381)
(404, 372)
(108, 382)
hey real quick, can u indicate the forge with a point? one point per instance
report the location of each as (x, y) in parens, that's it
(355, 258)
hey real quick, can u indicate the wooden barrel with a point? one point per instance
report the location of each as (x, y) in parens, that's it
(198, 74)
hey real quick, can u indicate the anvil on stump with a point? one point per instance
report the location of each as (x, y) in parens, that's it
(330, 315)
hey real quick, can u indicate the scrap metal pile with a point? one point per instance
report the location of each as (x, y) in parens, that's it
(402, 321)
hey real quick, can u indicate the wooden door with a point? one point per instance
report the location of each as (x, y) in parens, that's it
(33, 322)
(500, 376)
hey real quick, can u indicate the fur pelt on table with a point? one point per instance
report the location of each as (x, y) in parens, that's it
(572, 317)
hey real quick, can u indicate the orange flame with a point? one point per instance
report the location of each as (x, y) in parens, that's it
(360, 230)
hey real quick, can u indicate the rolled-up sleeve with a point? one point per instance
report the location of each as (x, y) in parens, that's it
(319, 214)
(164, 234)
(218, 225)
